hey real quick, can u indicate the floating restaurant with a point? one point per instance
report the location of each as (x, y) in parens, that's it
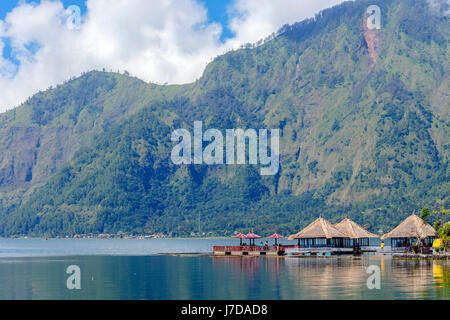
(320, 234)
(322, 238)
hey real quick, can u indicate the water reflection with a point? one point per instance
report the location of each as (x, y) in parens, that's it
(328, 278)
(170, 277)
(441, 276)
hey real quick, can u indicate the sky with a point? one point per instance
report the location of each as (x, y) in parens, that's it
(44, 42)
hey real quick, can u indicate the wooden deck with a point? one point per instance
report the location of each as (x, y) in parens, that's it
(251, 250)
(326, 251)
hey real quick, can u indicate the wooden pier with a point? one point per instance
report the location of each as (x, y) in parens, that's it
(328, 251)
(254, 250)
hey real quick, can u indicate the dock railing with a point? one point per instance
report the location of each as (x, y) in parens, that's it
(253, 248)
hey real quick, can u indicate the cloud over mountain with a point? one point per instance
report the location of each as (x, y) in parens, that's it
(157, 41)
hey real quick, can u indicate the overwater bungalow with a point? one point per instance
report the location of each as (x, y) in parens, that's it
(410, 231)
(356, 235)
(320, 234)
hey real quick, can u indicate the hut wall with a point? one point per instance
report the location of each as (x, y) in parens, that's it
(408, 242)
(322, 243)
(350, 243)
(313, 243)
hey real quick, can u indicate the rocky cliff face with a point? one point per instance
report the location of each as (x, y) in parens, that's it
(38, 138)
(372, 39)
(18, 157)
(31, 155)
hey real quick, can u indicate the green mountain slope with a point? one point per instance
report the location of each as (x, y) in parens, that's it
(364, 119)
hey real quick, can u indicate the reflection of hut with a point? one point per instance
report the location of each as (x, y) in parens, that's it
(314, 277)
(409, 231)
(356, 234)
(318, 234)
(413, 276)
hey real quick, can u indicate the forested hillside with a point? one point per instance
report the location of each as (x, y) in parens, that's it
(364, 118)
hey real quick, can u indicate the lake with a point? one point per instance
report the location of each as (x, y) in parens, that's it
(132, 269)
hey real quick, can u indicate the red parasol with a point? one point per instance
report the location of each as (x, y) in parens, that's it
(275, 236)
(240, 236)
(251, 236)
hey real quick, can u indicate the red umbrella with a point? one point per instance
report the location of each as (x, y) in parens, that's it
(239, 236)
(252, 236)
(275, 236)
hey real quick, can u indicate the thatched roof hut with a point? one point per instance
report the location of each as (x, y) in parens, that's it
(320, 233)
(353, 230)
(320, 228)
(412, 227)
(357, 235)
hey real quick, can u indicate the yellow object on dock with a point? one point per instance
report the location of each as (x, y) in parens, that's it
(437, 243)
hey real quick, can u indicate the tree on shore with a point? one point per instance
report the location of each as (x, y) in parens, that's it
(424, 214)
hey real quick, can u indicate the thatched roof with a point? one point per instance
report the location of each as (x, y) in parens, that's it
(411, 227)
(320, 228)
(353, 230)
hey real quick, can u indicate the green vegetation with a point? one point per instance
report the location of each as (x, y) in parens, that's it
(425, 214)
(360, 139)
(444, 233)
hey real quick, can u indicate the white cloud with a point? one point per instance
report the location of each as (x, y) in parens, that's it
(255, 19)
(157, 41)
(440, 7)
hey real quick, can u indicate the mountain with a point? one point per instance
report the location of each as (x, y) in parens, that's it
(364, 117)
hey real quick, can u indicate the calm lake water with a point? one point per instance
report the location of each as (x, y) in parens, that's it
(131, 269)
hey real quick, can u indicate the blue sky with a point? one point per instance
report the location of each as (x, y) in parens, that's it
(217, 12)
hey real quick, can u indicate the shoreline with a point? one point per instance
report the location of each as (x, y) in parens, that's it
(117, 238)
(413, 256)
